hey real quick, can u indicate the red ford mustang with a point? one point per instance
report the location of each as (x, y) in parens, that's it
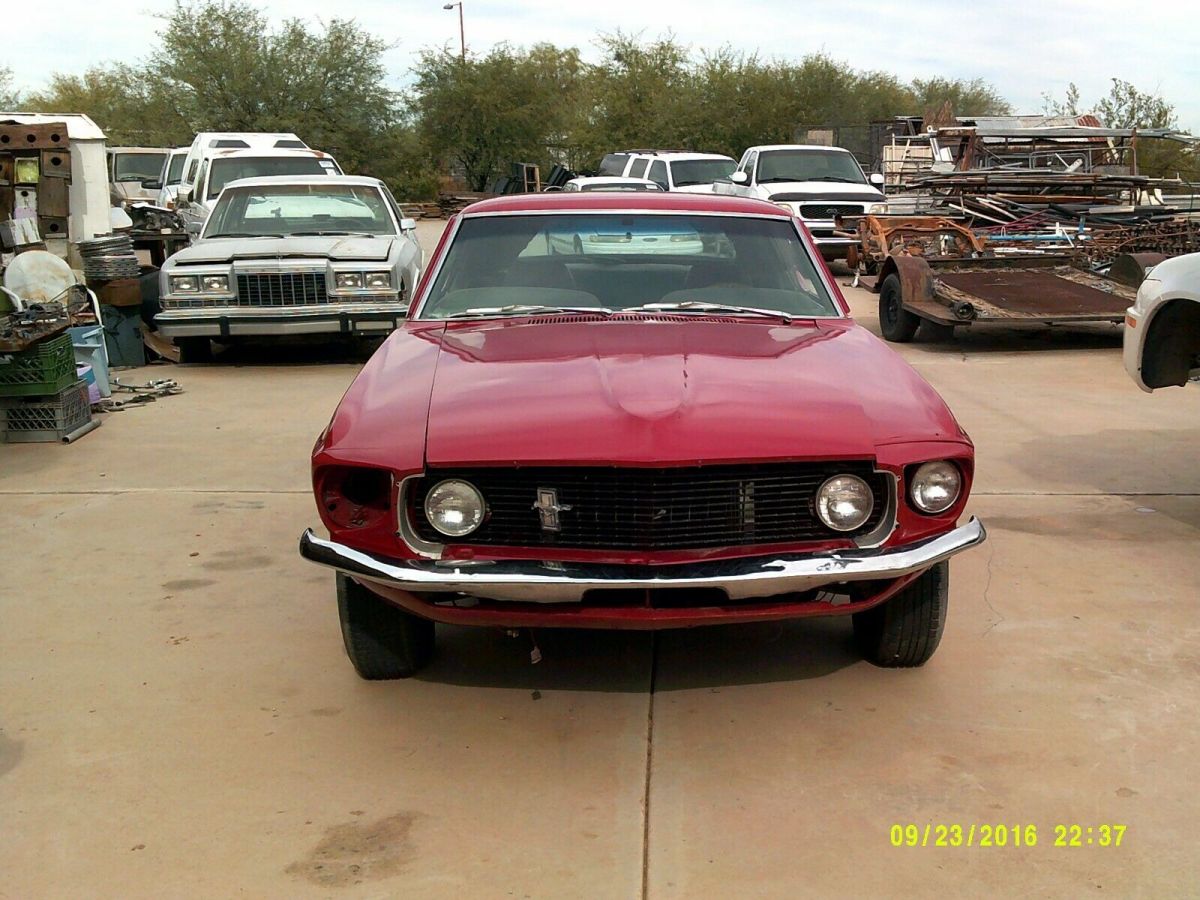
(636, 411)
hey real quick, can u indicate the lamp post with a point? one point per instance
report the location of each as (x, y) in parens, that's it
(462, 38)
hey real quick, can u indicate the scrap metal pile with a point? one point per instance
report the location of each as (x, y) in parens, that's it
(1092, 215)
(109, 258)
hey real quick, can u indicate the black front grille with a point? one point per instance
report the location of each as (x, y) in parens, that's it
(653, 509)
(281, 289)
(829, 210)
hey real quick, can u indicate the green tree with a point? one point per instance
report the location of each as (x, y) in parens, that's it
(966, 98)
(10, 97)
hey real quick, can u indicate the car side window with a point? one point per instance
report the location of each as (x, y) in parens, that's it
(751, 162)
(638, 169)
(198, 192)
(658, 174)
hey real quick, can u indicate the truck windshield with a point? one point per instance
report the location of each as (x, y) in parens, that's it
(613, 262)
(701, 171)
(227, 170)
(288, 209)
(809, 165)
(138, 166)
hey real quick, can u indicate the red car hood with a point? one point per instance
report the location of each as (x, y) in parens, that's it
(646, 393)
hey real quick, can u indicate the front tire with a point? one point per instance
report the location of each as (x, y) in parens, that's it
(897, 324)
(905, 630)
(382, 640)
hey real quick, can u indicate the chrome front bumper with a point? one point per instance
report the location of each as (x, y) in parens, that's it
(543, 582)
(324, 318)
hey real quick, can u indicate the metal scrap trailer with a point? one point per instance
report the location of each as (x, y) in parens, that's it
(934, 271)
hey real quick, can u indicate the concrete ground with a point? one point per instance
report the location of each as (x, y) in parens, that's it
(178, 719)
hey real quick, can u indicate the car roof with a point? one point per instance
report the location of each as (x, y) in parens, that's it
(763, 147)
(610, 179)
(652, 201)
(267, 153)
(672, 155)
(274, 180)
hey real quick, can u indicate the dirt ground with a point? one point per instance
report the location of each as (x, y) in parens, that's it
(178, 719)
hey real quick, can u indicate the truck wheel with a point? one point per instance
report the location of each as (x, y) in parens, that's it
(382, 640)
(194, 349)
(905, 630)
(897, 324)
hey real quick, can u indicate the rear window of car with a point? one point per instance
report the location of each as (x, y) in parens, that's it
(227, 170)
(613, 164)
(622, 261)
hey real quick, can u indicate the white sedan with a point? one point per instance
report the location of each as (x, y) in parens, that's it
(1162, 328)
(610, 183)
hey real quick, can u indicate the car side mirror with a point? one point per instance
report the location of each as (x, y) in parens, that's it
(739, 178)
(876, 179)
(408, 224)
(184, 196)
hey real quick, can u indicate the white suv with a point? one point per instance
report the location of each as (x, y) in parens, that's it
(689, 173)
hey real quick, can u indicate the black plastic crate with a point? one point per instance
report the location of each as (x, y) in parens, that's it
(50, 418)
(45, 368)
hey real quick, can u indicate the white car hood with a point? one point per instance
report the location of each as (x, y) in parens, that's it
(218, 250)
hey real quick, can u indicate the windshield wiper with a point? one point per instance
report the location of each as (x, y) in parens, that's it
(323, 233)
(519, 309)
(780, 178)
(242, 234)
(836, 178)
(702, 306)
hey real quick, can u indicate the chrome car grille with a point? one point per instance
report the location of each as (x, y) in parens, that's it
(652, 509)
(281, 289)
(829, 210)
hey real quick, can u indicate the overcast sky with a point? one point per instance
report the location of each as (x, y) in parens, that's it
(1023, 48)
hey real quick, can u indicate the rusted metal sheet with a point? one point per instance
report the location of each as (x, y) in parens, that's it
(50, 136)
(1130, 268)
(56, 164)
(1022, 293)
(53, 198)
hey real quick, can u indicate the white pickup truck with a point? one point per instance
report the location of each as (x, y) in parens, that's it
(813, 182)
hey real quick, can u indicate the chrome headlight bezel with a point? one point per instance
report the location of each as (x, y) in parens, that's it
(456, 495)
(844, 503)
(935, 487)
(184, 284)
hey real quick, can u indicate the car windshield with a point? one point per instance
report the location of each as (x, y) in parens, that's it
(227, 170)
(701, 171)
(138, 166)
(690, 264)
(290, 209)
(809, 165)
(175, 168)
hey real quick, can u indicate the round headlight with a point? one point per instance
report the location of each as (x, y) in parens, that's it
(454, 508)
(935, 486)
(844, 502)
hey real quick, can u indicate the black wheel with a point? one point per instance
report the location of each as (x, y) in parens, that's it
(906, 630)
(936, 332)
(382, 640)
(194, 349)
(896, 323)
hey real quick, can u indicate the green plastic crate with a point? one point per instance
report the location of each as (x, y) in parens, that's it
(53, 418)
(45, 368)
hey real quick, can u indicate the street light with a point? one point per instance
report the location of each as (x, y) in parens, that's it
(462, 38)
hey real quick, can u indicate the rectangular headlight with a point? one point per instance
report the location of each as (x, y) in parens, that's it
(348, 279)
(184, 284)
(379, 279)
(877, 208)
(217, 284)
